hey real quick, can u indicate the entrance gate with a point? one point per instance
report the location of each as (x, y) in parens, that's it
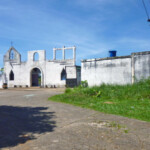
(35, 77)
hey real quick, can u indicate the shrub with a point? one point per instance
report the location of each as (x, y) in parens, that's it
(68, 90)
(84, 84)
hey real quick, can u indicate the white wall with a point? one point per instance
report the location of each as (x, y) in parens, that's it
(1, 82)
(110, 70)
(116, 70)
(71, 72)
(141, 65)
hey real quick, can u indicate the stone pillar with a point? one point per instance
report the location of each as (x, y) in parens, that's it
(74, 55)
(54, 54)
(64, 53)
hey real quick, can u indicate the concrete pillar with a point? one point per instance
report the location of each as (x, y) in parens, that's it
(64, 53)
(74, 55)
(133, 68)
(54, 54)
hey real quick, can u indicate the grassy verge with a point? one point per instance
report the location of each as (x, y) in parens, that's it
(131, 101)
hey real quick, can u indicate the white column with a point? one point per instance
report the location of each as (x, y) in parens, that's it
(54, 54)
(74, 55)
(133, 68)
(64, 53)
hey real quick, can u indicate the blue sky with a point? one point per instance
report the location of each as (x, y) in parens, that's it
(93, 26)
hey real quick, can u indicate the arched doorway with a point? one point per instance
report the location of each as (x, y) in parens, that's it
(35, 77)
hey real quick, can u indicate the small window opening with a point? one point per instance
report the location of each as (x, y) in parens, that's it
(12, 55)
(36, 57)
(11, 76)
(63, 75)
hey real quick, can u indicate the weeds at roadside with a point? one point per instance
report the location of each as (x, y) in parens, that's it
(131, 101)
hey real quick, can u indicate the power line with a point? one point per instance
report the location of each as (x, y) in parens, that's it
(148, 18)
(146, 9)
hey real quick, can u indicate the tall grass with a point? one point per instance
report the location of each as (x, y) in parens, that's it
(127, 100)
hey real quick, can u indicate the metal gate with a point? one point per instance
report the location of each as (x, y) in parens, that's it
(71, 82)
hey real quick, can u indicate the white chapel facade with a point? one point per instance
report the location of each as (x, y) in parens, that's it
(41, 72)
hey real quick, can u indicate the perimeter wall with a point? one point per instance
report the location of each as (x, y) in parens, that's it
(116, 70)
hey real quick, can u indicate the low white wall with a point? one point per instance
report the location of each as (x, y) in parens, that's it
(1, 82)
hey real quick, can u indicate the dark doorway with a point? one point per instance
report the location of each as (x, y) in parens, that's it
(63, 75)
(11, 76)
(35, 77)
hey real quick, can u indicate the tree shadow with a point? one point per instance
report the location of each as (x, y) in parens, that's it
(20, 124)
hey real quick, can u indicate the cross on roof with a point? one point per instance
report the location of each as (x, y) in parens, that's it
(11, 43)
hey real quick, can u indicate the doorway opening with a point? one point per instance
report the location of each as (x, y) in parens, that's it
(36, 77)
